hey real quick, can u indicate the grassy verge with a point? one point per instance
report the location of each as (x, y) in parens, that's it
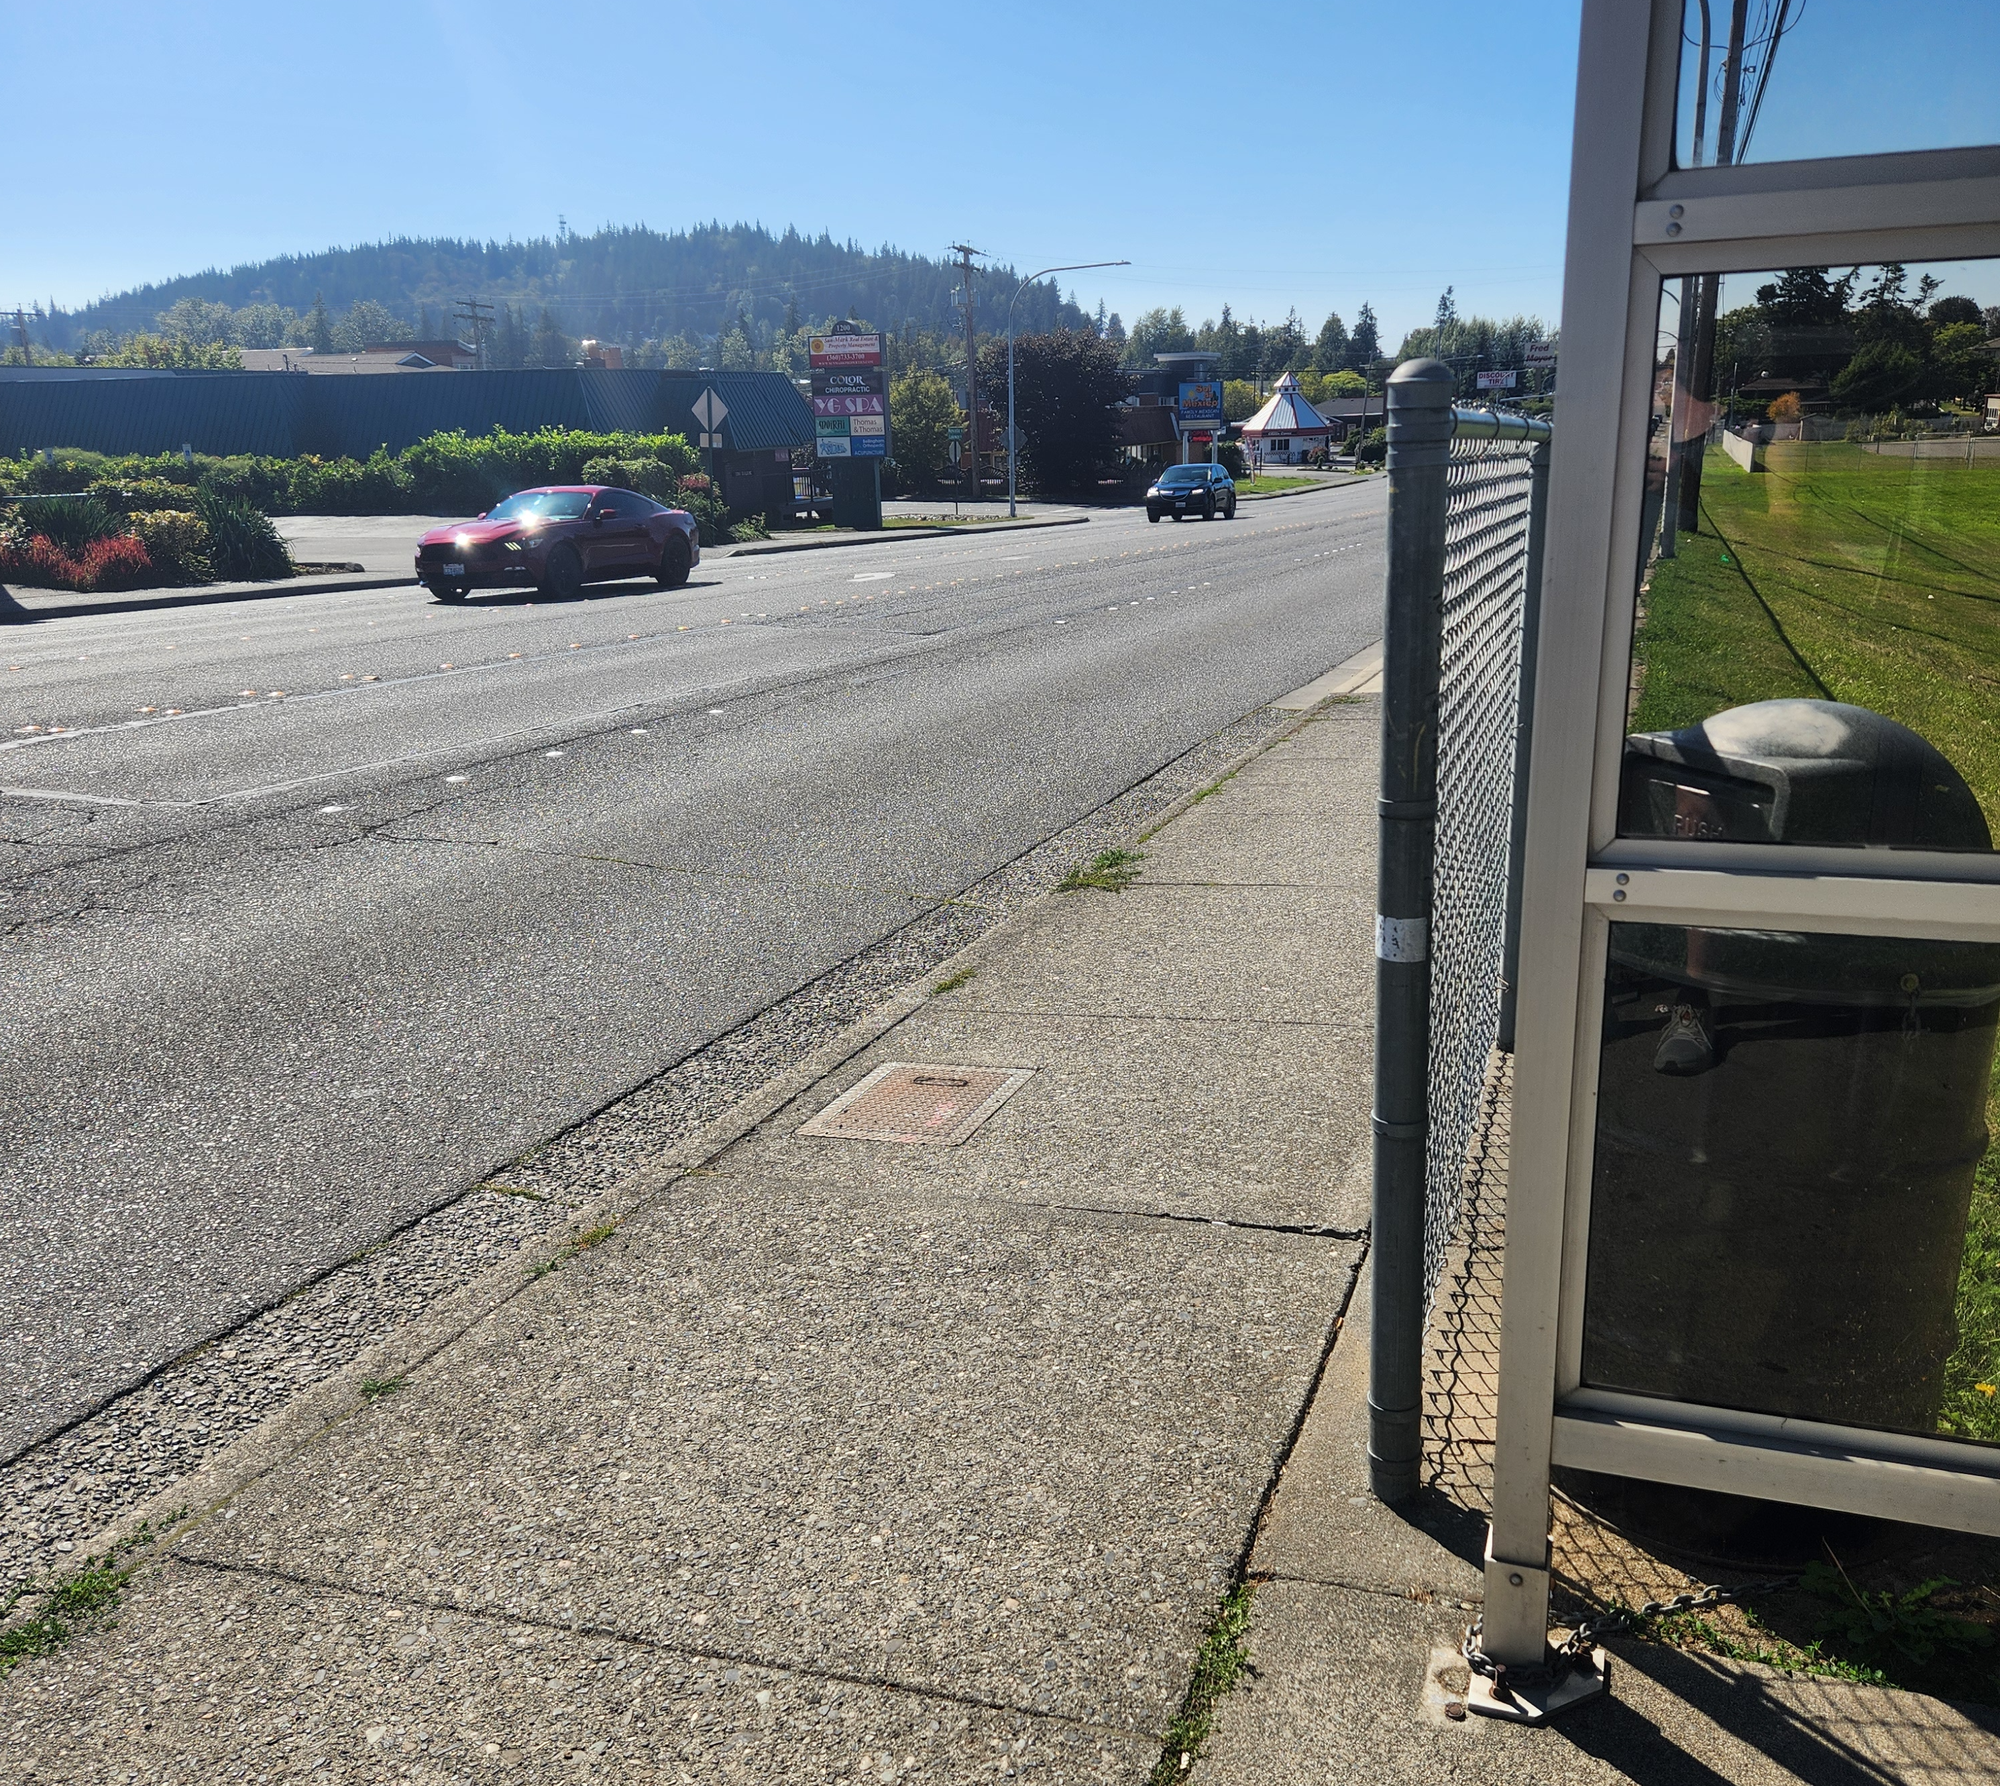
(1840, 574)
(1270, 486)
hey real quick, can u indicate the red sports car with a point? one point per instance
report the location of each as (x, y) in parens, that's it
(556, 540)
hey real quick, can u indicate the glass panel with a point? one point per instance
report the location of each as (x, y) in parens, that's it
(1816, 655)
(1796, 1208)
(1796, 80)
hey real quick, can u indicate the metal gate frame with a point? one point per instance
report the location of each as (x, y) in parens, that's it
(1634, 221)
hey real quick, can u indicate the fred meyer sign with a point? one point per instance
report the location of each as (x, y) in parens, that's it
(1201, 404)
(849, 396)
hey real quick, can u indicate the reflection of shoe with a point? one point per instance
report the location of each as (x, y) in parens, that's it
(1684, 1044)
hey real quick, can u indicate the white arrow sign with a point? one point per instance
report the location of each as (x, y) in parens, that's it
(709, 409)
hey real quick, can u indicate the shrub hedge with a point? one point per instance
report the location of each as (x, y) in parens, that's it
(455, 474)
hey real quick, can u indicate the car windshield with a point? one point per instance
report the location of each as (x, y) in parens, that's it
(544, 505)
(1185, 474)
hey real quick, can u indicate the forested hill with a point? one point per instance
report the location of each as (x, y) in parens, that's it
(631, 286)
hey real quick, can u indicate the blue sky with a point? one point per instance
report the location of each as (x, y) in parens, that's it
(1313, 154)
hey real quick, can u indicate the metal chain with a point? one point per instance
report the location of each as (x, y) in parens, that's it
(1563, 1658)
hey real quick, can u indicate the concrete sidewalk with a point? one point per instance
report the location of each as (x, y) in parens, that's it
(820, 1459)
(838, 1458)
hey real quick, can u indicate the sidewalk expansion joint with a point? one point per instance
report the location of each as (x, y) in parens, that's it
(641, 1640)
(1217, 1221)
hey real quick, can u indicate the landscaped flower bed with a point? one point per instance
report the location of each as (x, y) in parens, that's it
(120, 562)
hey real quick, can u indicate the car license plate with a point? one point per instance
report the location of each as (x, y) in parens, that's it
(454, 570)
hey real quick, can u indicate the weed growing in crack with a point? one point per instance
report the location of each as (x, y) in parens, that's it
(589, 1238)
(73, 1604)
(514, 1190)
(1222, 1661)
(957, 980)
(1110, 871)
(374, 1388)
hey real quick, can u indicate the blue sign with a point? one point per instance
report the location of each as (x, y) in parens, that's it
(1201, 404)
(865, 446)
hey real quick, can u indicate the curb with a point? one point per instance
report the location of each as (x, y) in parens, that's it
(888, 534)
(138, 601)
(315, 1411)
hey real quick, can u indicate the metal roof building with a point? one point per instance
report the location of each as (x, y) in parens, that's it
(283, 414)
(1287, 427)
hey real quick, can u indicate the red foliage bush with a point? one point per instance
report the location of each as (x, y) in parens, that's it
(120, 563)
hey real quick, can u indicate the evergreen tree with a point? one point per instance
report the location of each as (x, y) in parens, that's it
(1331, 348)
(319, 326)
(1364, 346)
(551, 347)
(1114, 330)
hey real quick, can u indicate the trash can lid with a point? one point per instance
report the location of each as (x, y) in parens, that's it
(1837, 774)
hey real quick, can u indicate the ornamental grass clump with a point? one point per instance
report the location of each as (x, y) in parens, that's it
(243, 546)
(70, 522)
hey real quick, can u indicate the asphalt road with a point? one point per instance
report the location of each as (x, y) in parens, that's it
(320, 909)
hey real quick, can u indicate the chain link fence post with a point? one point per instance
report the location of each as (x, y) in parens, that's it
(1420, 429)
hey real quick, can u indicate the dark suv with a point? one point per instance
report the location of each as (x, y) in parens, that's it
(1184, 490)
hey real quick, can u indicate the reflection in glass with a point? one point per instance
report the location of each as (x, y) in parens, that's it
(1822, 547)
(1788, 80)
(1794, 1209)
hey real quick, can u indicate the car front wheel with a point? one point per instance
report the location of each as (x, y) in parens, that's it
(562, 576)
(1152, 514)
(1229, 514)
(675, 562)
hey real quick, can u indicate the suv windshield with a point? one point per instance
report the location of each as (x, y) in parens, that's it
(1185, 474)
(548, 505)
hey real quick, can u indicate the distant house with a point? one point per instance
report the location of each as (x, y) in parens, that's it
(1287, 428)
(374, 356)
(1146, 432)
(1354, 415)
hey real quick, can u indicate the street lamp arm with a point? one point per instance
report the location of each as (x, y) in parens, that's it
(1013, 451)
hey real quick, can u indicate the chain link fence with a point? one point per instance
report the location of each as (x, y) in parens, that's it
(1489, 491)
(1467, 496)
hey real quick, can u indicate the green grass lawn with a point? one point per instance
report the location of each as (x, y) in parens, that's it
(1267, 486)
(1840, 574)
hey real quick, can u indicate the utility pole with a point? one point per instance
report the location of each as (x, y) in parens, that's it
(475, 315)
(21, 329)
(965, 255)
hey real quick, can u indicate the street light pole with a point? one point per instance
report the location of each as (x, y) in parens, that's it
(1013, 439)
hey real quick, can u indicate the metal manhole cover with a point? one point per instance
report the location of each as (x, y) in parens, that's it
(903, 1102)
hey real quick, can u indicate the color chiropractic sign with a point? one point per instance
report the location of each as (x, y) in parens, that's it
(850, 396)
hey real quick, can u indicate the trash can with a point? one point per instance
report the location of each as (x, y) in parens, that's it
(1788, 1123)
